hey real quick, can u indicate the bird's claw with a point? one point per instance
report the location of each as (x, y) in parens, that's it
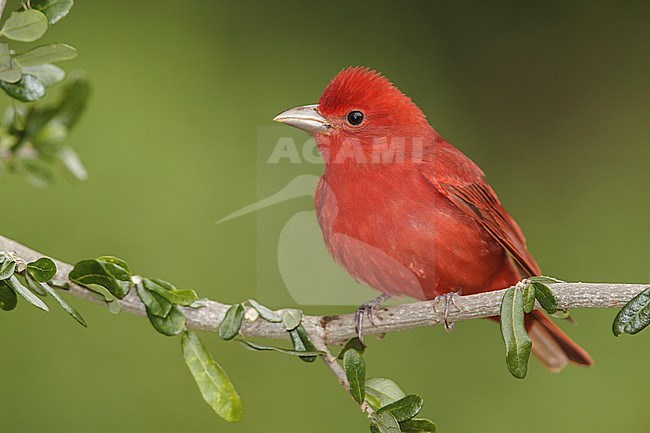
(448, 298)
(367, 308)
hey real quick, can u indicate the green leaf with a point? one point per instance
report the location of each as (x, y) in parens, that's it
(255, 346)
(302, 343)
(353, 343)
(634, 316)
(7, 268)
(381, 392)
(384, 423)
(265, 312)
(73, 100)
(47, 73)
(199, 303)
(215, 386)
(27, 89)
(291, 319)
(404, 408)
(46, 54)
(513, 330)
(231, 323)
(54, 10)
(529, 298)
(36, 171)
(546, 298)
(155, 304)
(43, 269)
(114, 306)
(117, 262)
(34, 285)
(418, 425)
(8, 298)
(25, 26)
(106, 272)
(172, 324)
(169, 292)
(25, 293)
(67, 307)
(49, 138)
(544, 280)
(10, 71)
(71, 162)
(355, 371)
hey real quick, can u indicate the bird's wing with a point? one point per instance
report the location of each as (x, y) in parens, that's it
(469, 192)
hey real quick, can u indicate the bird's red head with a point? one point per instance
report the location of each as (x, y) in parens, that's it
(361, 101)
(358, 111)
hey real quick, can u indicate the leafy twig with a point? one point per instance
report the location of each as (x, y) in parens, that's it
(339, 329)
(335, 367)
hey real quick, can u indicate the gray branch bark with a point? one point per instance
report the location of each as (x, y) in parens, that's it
(340, 328)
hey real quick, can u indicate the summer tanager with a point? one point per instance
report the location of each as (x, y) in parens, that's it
(407, 213)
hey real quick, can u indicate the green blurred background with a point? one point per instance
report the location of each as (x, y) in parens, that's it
(550, 99)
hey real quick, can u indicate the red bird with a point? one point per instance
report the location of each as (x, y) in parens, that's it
(407, 213)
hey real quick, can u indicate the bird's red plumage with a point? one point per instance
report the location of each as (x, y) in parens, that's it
(409, 214)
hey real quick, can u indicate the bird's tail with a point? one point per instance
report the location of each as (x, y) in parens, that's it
(552, 347)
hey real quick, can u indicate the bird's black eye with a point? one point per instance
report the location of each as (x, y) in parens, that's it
(355, 117)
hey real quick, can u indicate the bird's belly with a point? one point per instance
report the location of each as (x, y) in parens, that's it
(411, 241)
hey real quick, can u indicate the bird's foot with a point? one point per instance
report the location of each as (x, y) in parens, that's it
(447, 299)
(367, 309)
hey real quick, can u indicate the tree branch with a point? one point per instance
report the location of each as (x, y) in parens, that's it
(338, 329)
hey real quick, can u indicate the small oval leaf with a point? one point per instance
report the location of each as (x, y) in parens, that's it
(418, 425)
(10, 71)
(168, 291)
(265, 312)
(634, 317)
(47, 73)
(25, 26)
(155, 304)
(216, 388)
(544, 279)
(513, 330)
(546, 298)
(352, 343)
(355, 371)
(404, 408)
(8, 298)
(302, 343)
(107, 272)
(172, 324)
(54, 10)
(529, 298)
(381, 392)
(27, 89)
(46, 54)
(7, 269)
(43, 269)
(232, 321)
(384, 423)
(291, 318)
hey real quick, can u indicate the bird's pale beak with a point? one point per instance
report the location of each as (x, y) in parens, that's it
(306, 118)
